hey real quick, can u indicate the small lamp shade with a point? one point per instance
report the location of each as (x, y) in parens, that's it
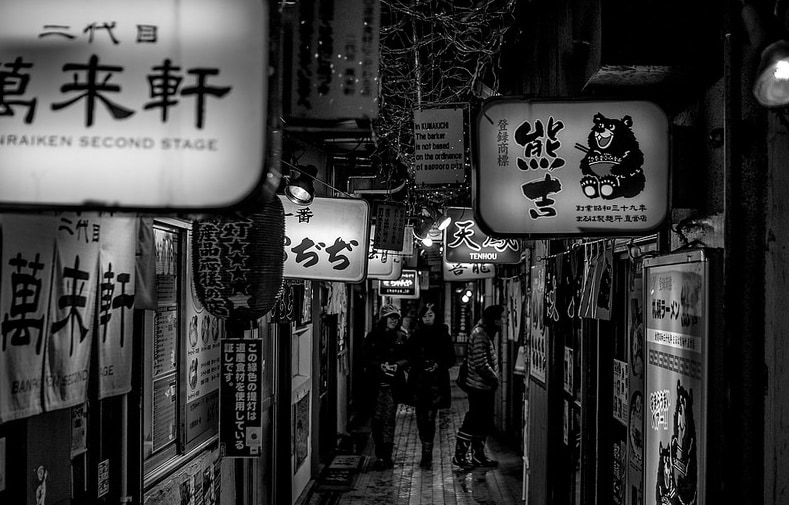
(771, 86)
(301, 189)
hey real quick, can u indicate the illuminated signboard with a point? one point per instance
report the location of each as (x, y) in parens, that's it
(407, 286)
(571, 168)
(145, 104)
(327, 240)
(465, 242)
(468, 271)
(383, 263)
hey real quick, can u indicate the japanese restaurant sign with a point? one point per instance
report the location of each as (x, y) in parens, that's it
(59, 275)
(572, 167)
(468, 271)
(240, 425)
(335, 60)
(677, 350)
(383, 263)
(145, 104)
(465, 242)
(407, 286)
(327, 240)
(439, 146)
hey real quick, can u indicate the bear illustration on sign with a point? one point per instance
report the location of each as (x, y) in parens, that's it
(612, 164)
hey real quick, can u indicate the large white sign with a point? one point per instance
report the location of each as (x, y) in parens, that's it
(327, 240)
(571, 168)
(145, 104)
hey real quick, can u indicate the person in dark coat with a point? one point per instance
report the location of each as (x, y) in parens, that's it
(482, 382)
(430, 355)
(385, 364)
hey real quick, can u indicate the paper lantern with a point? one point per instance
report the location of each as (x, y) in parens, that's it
(238, 262)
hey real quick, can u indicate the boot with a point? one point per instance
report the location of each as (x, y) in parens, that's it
(427, 455)
(384, 454)
(461, 458)
(478, 456)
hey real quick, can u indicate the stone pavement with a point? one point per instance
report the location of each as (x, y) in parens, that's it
(408, 484)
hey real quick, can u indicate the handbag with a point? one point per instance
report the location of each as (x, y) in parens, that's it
(462, 378)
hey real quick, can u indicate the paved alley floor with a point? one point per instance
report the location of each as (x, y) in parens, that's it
(408, 484)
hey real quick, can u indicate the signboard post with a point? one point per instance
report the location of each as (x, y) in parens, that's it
(571, 168)
(240, 425)
(676, 290)
(151, 104)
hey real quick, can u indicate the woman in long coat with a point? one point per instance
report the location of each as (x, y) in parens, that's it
(430, 354)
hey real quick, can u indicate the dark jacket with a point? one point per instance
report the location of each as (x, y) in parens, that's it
(430, 345)
(384, 346)
(483, 365)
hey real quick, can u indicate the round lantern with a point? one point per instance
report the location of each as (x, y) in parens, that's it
(238, 262)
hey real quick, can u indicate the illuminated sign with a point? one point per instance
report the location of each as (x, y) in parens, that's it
(407, 286)
(465, 242)
(571, 168)
(146, 104)
(327, 240)
(468, 271)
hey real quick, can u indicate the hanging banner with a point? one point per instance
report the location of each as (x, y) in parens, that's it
(202, 355)
(465, 242)
(72, 303)
(439, 146)
(116, 304)
(389, 226)
(25, 283)
(151, 104)
(677, 345)
(335, 60)
(407, 286)
(327, 240)
(572, 167)
(468, 271)
(240, 425)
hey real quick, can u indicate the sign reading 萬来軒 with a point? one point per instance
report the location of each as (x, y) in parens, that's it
(128, 104)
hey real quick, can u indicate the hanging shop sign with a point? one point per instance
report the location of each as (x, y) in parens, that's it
(676, 290)
(327, 240)
(389, 226)
(335, 60)
(571, 168)
(383, 263)
(240, 425)
(439, 146)
(407, 286)
(57, 273)
(465, 242)
(128, 105)
(468, 271)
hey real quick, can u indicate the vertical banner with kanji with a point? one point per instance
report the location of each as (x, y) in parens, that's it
(28, 251)
(240, 426)
(677, 346)
(538, 355)
(116, 303)
(71, 309)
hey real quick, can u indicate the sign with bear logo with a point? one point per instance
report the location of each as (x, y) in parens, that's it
(571, 168)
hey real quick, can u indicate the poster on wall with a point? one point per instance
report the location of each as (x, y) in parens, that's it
(199, 483)
(635, 332)
(202, 347)
(677, 347)
(240, 426)
(301, 431)
(538, 352)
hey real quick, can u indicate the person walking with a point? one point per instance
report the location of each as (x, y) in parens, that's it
(385, 364)
(482, 381)
(430, 355)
